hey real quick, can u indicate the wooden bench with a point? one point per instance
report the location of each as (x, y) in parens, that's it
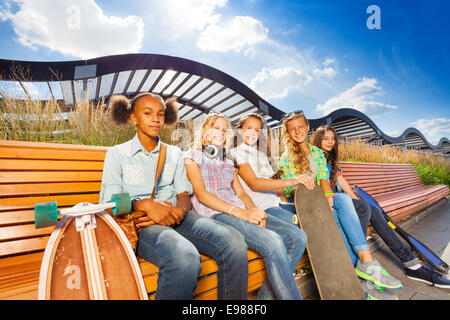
(40, 172)
(396, 187)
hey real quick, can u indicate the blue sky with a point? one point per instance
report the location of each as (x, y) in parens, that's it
(312, 55)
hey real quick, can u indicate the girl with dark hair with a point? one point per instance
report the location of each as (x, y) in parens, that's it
(325, 137)
(172, 235)
(300, 157)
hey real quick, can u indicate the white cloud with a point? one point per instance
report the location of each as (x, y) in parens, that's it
(359, 97)
(188, 14)
(433, 129)
(276, 83)
(329, 61)
(77, 28)
(241, 32)
(329, 72)
(329, 69)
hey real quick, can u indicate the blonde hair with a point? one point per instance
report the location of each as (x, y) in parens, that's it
(207, 124)
(292, 147)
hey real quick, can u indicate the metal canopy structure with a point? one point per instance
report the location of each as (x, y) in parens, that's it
(199, 89)
(350, 123)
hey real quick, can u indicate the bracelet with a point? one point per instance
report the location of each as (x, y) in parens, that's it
(329, 193)
(231, 209)
(329, 196)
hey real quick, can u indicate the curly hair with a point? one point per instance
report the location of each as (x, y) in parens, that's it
(121, 108)
(292, 147)
(333, 155)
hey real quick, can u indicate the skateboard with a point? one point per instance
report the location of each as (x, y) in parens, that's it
(424, 253)
(88, 257)
(333, 269)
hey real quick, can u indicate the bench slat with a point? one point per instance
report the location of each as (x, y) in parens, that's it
(14, 153)
(50, 165)
(22, 203)
(49, 176)
(10, 190)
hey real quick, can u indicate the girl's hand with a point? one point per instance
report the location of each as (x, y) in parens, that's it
(158, 211)
(252, 215)
(306, 180)
(330, 203)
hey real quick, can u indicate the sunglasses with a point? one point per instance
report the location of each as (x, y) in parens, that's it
(287, 115)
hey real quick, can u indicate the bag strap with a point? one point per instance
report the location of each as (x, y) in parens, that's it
(159, 166)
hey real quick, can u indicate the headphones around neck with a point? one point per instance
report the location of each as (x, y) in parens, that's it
(213, 151)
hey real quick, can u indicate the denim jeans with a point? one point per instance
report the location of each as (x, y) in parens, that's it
(294, 241)
(367, 213)
(175, 250)
(269, 242)
(347, 220)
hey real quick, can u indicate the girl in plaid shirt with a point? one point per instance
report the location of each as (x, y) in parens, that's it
(219, 194)
(301, 157)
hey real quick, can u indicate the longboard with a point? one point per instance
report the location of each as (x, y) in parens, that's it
(88, 257)
(425, 253)
(333, 270)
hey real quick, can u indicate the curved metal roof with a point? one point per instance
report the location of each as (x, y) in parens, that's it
(199, 89)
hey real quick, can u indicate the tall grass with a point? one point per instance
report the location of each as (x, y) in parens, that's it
(432, 168)
(91, 124)
(34, 120)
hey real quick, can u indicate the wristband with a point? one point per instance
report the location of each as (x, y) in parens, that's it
(328, 193)
(329, 196)
(231, 209)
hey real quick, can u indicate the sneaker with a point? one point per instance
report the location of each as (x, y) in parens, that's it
(427, 275)
(372, 292)
(374, 272)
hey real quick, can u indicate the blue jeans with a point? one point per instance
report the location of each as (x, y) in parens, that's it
(175, 250)
(348, 222)
(294, 241)
(367, 213)
(271, 246)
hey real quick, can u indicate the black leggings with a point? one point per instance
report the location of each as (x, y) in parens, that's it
(368, 213)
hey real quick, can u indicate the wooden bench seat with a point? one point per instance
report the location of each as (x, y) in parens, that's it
(40, 172)
(396, 187)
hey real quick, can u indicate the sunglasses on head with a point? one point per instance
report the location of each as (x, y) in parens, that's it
(287, 115)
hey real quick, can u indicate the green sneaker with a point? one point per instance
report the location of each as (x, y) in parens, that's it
(374, 272)
(373, 292)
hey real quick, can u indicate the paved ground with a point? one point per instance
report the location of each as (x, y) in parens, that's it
(432, 227)
(433, 231)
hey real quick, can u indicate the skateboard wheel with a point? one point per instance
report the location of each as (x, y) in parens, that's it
(45, 214)
(123, 203)
(294, 219)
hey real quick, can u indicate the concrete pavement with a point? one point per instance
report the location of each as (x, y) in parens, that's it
(434, 231)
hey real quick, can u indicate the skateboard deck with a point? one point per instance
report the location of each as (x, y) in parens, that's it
(333, 270)
(94, 263)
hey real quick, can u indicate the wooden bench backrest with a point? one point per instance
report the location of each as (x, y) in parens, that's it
(34, 172)
(378, 178)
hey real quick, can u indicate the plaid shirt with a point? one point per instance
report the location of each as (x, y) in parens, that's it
(289, 170)
(218, 178)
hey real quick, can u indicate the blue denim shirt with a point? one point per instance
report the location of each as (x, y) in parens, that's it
(128, 167)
